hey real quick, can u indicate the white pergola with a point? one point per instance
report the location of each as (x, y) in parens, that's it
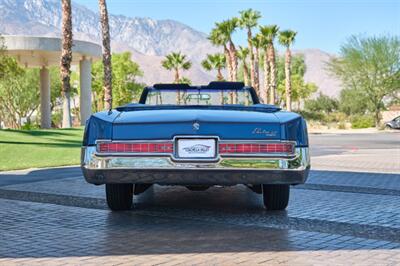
(31, 51)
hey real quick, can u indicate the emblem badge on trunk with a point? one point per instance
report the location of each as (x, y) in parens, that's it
(196, 126)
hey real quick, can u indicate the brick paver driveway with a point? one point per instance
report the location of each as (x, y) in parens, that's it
(347, 213)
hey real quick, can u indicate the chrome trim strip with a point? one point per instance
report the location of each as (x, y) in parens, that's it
(92, 161)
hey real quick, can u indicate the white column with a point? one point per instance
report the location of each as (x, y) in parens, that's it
(85, 97)
(45, 111)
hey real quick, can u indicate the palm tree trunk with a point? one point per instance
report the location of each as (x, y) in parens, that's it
(251, 53)
(66, 58)
(177, 77)
(264, 91)
(228, 62)
(105, 30)
(257, 72)
(178, 93)
(234, 62)
(246, 74)
(234, 67)
(272, 65)
(288, 84)
(67, 119)
(220, 77)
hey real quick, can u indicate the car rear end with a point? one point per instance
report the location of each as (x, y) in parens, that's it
(196, 145)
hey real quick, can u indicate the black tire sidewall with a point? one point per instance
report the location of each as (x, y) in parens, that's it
(119, 196)
(276, 197)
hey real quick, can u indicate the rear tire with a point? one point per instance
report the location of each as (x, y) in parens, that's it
(276, 197)
(119, 196)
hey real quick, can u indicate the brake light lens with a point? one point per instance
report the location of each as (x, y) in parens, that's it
(255, 148)
(167, 147)
(137, 147)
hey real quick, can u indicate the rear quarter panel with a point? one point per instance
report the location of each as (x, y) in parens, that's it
(99, 126)
(293, 128)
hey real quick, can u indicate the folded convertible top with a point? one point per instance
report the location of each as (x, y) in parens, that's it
(265, 108)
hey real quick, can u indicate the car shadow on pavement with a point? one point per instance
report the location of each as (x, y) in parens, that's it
(174, 220)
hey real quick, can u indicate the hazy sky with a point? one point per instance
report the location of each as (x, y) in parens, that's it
(320, 24)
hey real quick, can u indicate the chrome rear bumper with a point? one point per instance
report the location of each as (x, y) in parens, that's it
(164, 170)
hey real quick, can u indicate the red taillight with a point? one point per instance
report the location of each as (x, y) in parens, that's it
(167, 148)
(255, 148)
(137, 147)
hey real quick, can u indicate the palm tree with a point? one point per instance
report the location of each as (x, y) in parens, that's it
(219, 39)
(215, 61)
(259, 42)
(65, 64)
(286, 38)
(227, 28)
(175, 62)
(269, 33)
(248, 20)
(242, 54)
(105, 30)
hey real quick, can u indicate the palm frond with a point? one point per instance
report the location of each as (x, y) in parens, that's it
(287, 37)
(249, 18)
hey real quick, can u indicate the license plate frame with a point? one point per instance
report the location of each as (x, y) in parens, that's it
(196, 149)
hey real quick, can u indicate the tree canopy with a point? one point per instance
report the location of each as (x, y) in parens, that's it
(19, 93)
(286, 37)
(371, 66)
(175, 62)
(249, 18)
(301, 90)
(124, 84)
(215, 62)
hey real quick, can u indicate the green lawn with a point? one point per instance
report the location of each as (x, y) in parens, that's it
(21, 149)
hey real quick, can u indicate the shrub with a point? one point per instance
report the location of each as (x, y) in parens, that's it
(30, 126)
(353, 101)
(362, 121)
(342, 125)
(56, 119)
(308, 115)
(322, 103)
(334, 117)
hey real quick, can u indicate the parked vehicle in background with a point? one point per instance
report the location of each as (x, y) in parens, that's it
(196, 136)
(394, 123)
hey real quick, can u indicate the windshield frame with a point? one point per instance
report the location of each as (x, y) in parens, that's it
(251, 90)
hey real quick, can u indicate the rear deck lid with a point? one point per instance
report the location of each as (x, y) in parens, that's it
(225, 124)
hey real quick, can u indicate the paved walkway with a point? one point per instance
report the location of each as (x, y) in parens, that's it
(341, 216)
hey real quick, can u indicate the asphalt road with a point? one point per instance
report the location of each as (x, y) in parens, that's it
(324, 144)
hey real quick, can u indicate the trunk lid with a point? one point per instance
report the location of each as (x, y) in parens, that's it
(167, 123)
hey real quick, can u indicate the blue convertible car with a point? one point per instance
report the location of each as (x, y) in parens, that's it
(196, 136)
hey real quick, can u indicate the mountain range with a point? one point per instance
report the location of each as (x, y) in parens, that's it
(147, 39)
